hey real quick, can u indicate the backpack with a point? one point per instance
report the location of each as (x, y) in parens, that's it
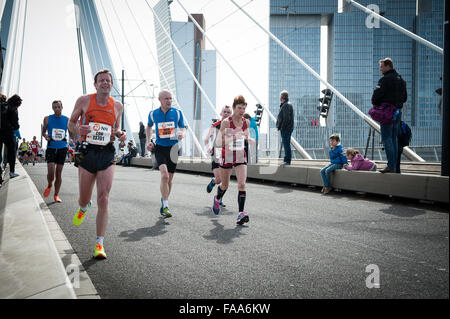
(403, 95)
(404, 134)
(383, 113)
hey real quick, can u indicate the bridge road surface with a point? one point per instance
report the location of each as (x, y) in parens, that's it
(298, 244)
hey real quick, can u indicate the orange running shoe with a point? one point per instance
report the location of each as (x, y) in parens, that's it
(47, 191)
(57, 199)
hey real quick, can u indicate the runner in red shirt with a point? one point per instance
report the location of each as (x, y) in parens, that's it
(234, 133)
(34, 149)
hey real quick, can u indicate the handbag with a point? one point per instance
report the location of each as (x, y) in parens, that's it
(383, 113)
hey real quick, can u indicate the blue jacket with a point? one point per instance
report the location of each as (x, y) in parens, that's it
(337, 155)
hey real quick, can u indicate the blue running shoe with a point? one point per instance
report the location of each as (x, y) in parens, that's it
(216, 206)
(211, 185)
(242, 218)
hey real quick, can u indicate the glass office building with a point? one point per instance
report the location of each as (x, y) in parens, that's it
(346, 49)
(202, 63)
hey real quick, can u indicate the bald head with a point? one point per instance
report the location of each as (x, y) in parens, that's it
(165, 98)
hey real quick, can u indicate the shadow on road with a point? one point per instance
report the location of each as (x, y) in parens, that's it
(222, 235)
(136, 235)
(207, 211)
(282, 191)
(91, 261)
(400, 211)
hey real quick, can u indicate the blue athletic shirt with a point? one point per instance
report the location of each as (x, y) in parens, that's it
(57, 131)
(166, 125)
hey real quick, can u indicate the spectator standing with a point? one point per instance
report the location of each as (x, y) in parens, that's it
(9, 123)
(285, 124)
(391, 89)
(142, 138)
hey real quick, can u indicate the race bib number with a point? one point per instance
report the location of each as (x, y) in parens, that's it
(33, 146)
(166, 129)
(58, 134)
(238, 144)
(100, 134)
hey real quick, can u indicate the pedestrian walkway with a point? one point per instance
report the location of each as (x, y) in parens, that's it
(33, 247)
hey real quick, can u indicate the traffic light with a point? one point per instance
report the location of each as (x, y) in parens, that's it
(258, 113)
(325, 102)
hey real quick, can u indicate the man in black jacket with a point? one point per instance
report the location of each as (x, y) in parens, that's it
(285, 124)
(391, 89)
(142, 138)
(10, 123)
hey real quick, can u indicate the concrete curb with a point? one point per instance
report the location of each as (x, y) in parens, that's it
(415, 186)
(36, 259)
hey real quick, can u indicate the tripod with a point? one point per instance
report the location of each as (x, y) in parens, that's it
(371, 134)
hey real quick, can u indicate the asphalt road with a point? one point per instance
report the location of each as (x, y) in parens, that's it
(298, 243)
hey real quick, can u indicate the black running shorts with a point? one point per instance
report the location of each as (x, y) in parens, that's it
(56, 155)
(214, 164)
(97, 158)
(167, 155)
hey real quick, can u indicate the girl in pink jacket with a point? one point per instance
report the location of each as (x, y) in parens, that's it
(358, 162)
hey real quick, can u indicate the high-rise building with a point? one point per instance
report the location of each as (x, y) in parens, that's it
(345, 49)
(202, 63)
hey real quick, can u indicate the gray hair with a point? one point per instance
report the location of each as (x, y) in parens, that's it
(284, 95)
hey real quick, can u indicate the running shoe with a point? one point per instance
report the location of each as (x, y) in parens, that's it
(99, 252)
(211, 185)
(47, 191)
(57, 199)
(242, 218)
(216, 206)
(79, 216)
(222, 204)
(166, 213)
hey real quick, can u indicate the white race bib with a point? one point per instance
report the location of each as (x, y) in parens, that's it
(238, 144)
(58, 134)
(166, 129)
(100, 134)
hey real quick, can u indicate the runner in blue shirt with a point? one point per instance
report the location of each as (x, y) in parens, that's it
(169, 129)
(54, 130)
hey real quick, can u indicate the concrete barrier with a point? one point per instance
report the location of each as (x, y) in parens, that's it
(429, 187)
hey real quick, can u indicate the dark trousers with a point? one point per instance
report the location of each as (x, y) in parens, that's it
(8, 140)
(286, 140)
(142, 141)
